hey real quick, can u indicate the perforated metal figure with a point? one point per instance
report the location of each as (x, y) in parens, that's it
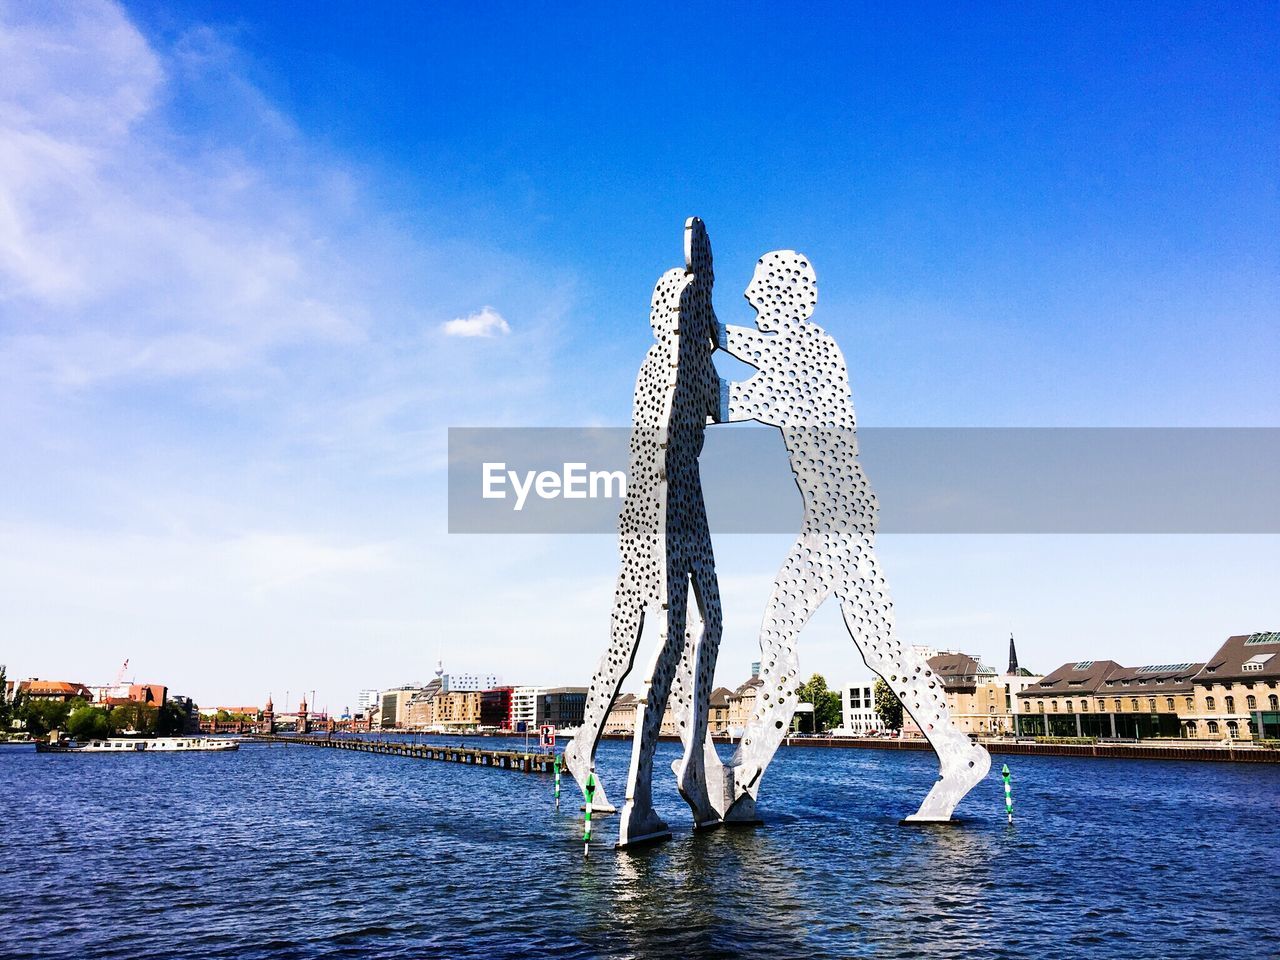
(665, 548)
(802, 388)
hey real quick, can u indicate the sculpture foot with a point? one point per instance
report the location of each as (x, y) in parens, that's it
(743, 813)
(579, 767)
(963, 767)
(640, 827)
(695, 790)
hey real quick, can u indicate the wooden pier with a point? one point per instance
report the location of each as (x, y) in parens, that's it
(497, 759)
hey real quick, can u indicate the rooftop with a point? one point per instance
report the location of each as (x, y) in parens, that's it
(1244, 657)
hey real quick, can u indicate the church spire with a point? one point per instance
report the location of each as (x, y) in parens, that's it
(1013, 657)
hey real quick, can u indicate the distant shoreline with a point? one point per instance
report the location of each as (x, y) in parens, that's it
(1137, 750)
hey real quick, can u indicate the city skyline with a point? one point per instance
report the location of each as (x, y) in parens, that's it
(257, 260)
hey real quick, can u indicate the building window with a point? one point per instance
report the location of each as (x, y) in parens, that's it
(1191, 704)
(1213, 727)
(1151, 704)
(1040, 705)
(1191, 728)
(1117, 704)
(1273, 703)
(1208, 703)
(1102, 706)
(1055, 706)
(1133, 704)
(1069, 706)
(1231, 704)
(1250, 702)
(1168, 701)
(1233, 730)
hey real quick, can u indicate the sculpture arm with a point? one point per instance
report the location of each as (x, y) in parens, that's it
(745, 343)
(735, 396)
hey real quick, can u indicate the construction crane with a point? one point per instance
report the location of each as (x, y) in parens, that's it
(120, 673)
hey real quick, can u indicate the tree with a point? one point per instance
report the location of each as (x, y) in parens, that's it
(888, 706)
(87, 722)
(826, 704)
(171, 720)
(6, 707)
(41, 716)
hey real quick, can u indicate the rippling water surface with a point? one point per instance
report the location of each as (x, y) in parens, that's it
(286, 851)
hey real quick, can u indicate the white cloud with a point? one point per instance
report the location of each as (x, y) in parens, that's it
(219, 407)
(487, 323)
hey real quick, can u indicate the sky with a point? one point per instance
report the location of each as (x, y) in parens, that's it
(256, 259)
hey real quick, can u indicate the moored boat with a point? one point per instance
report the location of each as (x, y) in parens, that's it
(140, 745)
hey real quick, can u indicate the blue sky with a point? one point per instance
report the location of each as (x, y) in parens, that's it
(232, 238)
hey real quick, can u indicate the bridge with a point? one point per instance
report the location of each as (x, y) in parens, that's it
(497, 759)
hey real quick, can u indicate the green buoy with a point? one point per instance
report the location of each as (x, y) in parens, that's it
(1008, 792)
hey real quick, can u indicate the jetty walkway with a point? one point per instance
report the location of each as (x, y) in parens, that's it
(498, 759)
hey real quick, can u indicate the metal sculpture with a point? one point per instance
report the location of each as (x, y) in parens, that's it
(665, 545)
(802, 388)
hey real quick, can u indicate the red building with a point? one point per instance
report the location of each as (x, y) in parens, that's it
(496, 708)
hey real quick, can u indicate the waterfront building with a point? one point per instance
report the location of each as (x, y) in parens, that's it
(858, 709)
(621, 719)
(36, 689)
(1237, 691)
(979, 700)
(622, 715)
(456, 710)
(718, 714)
(395, 704)
(495, 708)
(740, 705)
(524, 706)
(1144, 702)
(421, 710)
(468, 681)
(1101, 698)
(367, 701)
(562, 706)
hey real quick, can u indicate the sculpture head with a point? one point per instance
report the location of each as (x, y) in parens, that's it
(664, 309)
(697, 250)
(783, 290)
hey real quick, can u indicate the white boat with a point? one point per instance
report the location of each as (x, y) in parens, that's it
(140, 745)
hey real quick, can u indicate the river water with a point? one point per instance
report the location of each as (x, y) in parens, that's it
(293, 852)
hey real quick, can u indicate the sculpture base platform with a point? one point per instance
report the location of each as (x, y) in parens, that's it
(599, 811)
(914, 821)
(647, 840)
(707, 825)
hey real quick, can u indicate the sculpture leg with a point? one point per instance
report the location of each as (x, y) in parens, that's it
(580, 754)
(680, 701)
(700, 775)
(798, 591)
(868, 615)
(639, 822)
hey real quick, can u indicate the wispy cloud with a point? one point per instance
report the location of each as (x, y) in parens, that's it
(214, 373)
(487, 322)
